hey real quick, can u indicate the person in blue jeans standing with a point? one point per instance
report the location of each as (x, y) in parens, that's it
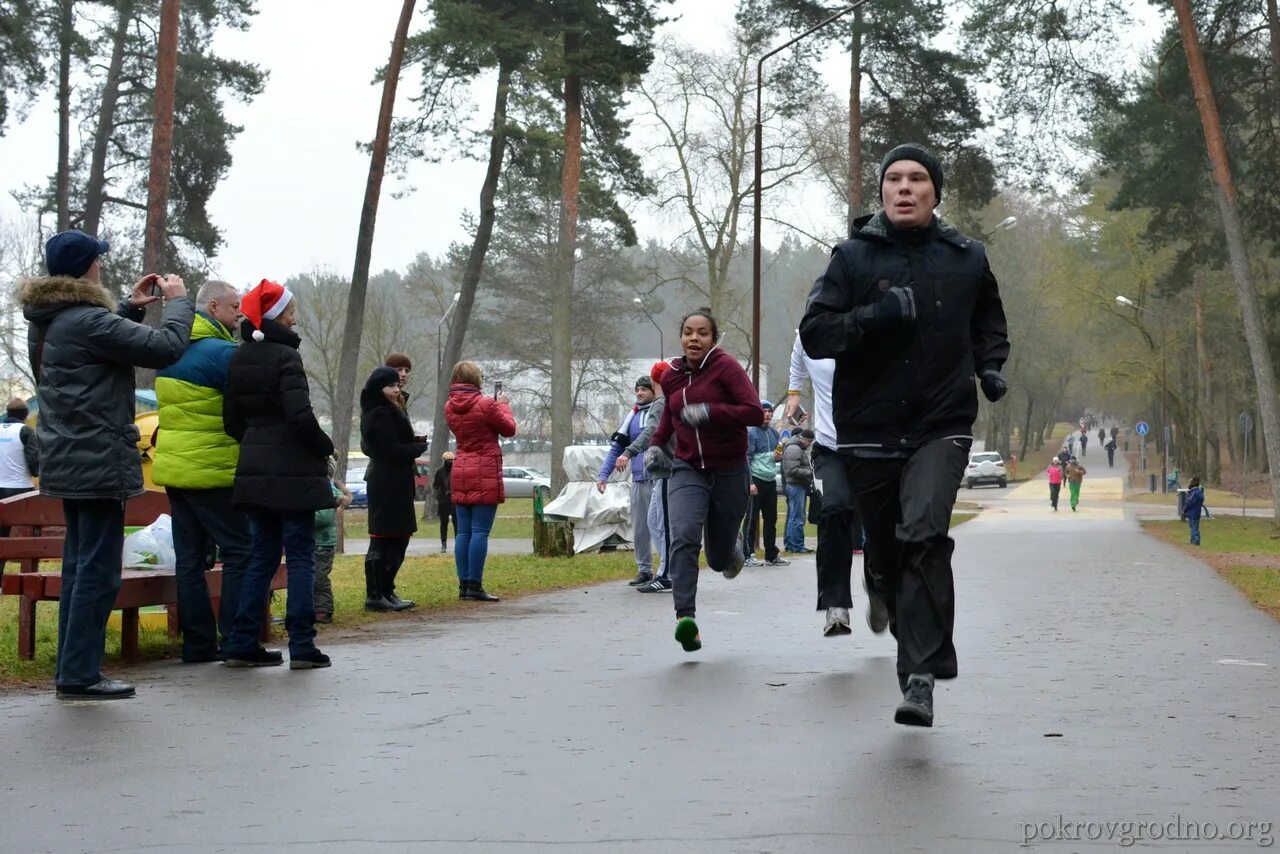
(282, 477)
(1193, 508)
(477, 422)
(797, 474)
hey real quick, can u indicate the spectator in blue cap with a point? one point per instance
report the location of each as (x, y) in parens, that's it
(764, 449)
(83, 348)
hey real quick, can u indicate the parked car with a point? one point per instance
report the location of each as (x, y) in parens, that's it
(421, 479)
(355, 483)
(986, 467)
(520, 482)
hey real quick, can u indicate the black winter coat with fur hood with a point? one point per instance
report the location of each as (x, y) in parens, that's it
(83, 356)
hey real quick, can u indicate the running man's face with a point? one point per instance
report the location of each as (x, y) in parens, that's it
(644, 396)
(909, 197)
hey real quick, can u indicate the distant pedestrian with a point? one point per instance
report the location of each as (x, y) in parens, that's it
(710, 403)
(1102, 436)
(764, 449)
(477, 422)
(1193, 507)
(1084, 444)
(19, 455)
(1071, 444)
(1055, 482)
(282, 476)
(84, 344)
(1075, 477)
(627, 448)
(658, 469)
(403, 368)
(797, 473)
(442, 489)
(386, 438)
(1111, 452)
(326, 547)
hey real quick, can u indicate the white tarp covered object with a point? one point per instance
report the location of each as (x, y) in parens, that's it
(595, 516)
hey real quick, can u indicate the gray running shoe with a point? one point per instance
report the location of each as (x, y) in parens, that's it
(739, 561)
(877, 611)
(777, 561)
(837, 623)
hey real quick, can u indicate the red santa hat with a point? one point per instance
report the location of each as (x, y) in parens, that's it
(266, 301)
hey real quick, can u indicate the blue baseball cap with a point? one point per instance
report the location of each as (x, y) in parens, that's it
(72, 253)
(764, 404)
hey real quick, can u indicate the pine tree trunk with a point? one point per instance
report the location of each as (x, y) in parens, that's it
(1204, 379)
(1273, 23)
(155, 248)
(1254, 332)
(855, 120)
(345, 404)
(475, 264)
(1026, 429)
(66, 29)
(562, 290)
(96, 189)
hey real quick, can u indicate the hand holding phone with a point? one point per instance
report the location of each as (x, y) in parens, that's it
(497, 389)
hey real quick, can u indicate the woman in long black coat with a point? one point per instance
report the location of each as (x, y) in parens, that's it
(387, 439)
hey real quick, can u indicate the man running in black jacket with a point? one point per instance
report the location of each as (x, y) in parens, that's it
(911, 312)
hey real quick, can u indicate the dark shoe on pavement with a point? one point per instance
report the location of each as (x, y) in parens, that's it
(464, 588)
(837, 623)
(777, 561)
(324, 617)
(379, 604)
(687, 634)
(641, 578)
(308, 661)
(658, 585)
(260, 657)
(103, 689)
(916, 708)
(476, 593)
(202, 657)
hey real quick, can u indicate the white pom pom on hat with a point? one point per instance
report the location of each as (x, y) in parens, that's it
(266, 301)
(258, 336)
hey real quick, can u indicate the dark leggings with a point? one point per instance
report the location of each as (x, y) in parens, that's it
(447, 513)
(389, 550)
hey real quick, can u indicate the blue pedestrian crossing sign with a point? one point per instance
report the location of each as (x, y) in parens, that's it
(1142, 428)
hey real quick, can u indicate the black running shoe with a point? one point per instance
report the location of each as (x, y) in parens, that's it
(657, 585)
(916, 708)
(641, 578)
(259, 657)
(308, 660)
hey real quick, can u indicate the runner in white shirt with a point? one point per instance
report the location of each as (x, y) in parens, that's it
(839, 527)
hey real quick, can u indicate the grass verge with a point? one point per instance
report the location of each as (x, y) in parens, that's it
(429, 581)
(1244, 551)
(1213, 497)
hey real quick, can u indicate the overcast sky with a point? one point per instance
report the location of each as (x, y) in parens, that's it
(292, 198)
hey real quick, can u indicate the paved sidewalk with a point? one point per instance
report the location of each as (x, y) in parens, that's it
(1104, 676)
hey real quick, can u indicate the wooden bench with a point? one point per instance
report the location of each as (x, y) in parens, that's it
(36, 533)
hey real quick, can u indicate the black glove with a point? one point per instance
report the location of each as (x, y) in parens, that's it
(994, 385)
(896, 308)
(695, 414)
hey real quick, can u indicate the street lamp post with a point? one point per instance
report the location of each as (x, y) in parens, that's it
(439, 326)
(1164, 392)
(759, 171)
(1005, 224)
(662, 350)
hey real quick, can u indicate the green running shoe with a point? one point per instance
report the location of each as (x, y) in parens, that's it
(687, 634)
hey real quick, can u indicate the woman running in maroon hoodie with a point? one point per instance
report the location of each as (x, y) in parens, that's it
(710, 405)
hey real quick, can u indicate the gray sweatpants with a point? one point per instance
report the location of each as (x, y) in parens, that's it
(641, 495)
(698, 502)
(658, 532)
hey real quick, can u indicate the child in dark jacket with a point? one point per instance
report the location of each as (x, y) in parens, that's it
(1193, 508)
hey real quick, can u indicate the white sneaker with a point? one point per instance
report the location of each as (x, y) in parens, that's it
(837, 622)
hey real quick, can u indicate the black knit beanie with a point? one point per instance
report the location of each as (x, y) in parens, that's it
(921, 155)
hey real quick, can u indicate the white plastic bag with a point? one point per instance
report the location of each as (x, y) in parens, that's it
(152, 547)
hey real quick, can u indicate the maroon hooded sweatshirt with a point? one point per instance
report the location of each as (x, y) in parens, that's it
(722, 384)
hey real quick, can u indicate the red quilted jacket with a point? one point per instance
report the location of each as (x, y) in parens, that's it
(476, 422)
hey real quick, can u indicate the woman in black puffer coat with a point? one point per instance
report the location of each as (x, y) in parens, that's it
(282, 477)
(387, 439)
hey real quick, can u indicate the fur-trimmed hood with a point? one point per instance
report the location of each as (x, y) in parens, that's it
(44, 296)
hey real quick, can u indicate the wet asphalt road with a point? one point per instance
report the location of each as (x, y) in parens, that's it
(1104, 676)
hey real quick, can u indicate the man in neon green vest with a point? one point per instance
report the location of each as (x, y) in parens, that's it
(195, 460)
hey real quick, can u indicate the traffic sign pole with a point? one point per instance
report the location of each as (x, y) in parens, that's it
(1246, 427)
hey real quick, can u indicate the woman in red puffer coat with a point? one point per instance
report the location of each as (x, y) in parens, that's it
(476, 422)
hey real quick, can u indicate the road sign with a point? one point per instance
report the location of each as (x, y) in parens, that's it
(1246, 423)
(1142, 428)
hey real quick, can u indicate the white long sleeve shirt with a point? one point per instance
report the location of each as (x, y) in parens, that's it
(822, 373)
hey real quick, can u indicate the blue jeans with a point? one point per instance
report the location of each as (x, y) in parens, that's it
(201, 516)
(91, 556)
(471, 542)
(793, 534)
(1194, 525)
(294, 533)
